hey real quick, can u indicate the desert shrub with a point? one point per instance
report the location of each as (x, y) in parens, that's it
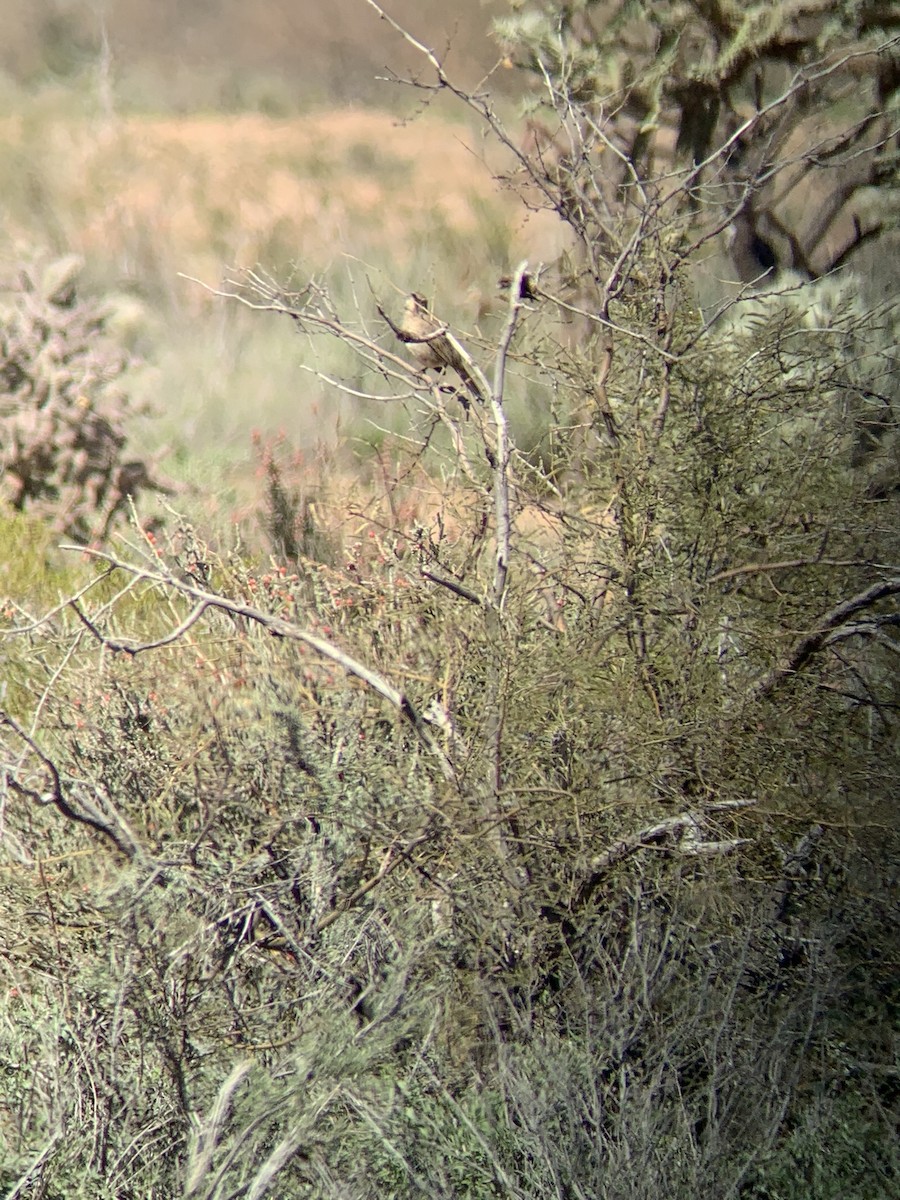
(309, 961)
(523, 826)
(64, 406)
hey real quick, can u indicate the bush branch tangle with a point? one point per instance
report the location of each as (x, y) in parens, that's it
(524, 826)
(276, 625)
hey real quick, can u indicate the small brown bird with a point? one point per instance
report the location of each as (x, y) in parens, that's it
(528, 289)
(432, 346)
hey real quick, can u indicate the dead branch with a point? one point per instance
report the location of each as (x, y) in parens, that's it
(282, 628)
(809, 645)
(675, 835)
(133, 648)
(791, 564)
(80, 810)
(501, 470)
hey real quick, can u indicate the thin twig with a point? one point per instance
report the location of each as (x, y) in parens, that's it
(451, 585)
(285, 629)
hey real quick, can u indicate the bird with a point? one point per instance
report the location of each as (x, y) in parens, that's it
(432, 346)
(528, 289)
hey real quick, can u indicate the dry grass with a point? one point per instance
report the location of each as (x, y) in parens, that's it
(352, 195)
(208, 191)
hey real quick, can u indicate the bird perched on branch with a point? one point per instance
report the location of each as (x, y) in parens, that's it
(528, 289)
(433, 347)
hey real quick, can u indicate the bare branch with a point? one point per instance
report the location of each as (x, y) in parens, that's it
(81, 810)
(790, 564)
(16, 630)
(292, 632)
(804, 649)
(135, 648)
(451, 585)
(681, 834)
(501, 469)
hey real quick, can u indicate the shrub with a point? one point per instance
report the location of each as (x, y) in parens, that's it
(529, 830)
(63, 408)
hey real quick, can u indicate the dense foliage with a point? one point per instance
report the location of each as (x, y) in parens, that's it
(524, 827)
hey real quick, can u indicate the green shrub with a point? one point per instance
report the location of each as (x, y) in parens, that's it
(427, 856)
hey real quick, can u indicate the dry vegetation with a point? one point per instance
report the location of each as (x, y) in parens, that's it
(199, 191)
(452, 796)
(185, 55)
(356, 196)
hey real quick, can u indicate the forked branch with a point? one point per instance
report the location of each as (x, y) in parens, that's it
(808, 645)
(278, 626)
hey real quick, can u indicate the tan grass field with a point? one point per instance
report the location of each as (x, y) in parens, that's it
(371, 204)
(144, 198)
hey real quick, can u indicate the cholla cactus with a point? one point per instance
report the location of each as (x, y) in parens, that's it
(62, 406)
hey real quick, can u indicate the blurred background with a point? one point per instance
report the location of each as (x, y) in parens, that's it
(161, 139)
(272, 54)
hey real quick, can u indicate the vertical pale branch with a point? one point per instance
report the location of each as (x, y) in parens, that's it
(501, 468)
(494, 817)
